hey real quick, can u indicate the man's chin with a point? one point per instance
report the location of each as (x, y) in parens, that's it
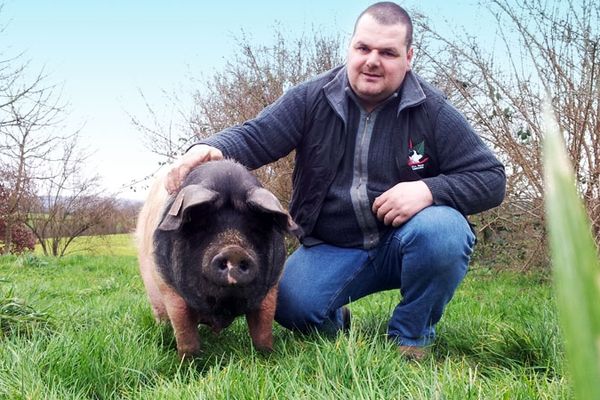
(370, 95)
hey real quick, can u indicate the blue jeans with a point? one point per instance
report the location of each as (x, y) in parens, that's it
(426, 258)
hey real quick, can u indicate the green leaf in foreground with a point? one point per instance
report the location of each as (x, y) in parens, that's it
(575, 266)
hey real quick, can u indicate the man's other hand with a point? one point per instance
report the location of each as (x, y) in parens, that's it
(398, 204)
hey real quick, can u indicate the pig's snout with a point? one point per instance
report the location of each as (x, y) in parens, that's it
(232, 266)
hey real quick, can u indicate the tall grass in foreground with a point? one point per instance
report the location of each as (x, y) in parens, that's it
(576, 266)
(94, 337)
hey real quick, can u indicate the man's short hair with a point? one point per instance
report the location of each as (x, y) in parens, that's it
(389, 13)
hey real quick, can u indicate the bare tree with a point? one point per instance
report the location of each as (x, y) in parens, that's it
(542, 47)
(69, 203)
(255, 77)
(168, 133)
(27, 109)
(41, 165)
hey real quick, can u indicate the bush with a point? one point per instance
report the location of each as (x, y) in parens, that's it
(22, 239)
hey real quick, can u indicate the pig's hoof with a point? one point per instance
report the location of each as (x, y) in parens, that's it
(188, 355)
(264, 348)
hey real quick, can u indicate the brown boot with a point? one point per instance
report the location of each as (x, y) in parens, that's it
(413, 353)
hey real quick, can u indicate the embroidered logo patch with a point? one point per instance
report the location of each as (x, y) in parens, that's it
(416, 155)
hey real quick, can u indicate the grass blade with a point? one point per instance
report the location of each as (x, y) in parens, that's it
(575, 266)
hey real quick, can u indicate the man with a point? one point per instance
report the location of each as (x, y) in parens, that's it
(386, 170)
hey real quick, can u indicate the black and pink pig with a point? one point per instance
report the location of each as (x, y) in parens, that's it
(212, 252)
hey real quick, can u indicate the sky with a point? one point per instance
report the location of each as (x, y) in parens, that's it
(102, 54)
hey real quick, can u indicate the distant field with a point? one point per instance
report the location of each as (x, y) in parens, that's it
(115, 245)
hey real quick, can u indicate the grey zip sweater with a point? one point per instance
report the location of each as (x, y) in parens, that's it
(346, 157)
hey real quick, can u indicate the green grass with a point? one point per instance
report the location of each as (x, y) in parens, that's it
(84, 330)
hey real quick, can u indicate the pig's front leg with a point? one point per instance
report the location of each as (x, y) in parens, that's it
(260, 322)
(184, 321)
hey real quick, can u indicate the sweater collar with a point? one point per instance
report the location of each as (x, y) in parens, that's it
(411, 93)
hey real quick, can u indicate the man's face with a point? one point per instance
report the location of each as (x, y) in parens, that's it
(377, 60)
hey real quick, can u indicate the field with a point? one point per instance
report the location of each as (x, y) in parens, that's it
(80, 328)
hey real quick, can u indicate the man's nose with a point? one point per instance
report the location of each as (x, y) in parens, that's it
(372, 59)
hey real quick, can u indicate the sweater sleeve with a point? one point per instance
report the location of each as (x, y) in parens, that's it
(273, 134)
(471, 178)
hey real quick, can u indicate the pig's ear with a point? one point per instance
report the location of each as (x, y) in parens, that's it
(189, 196)
(265, 201)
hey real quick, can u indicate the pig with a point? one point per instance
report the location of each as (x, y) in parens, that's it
(213, 251)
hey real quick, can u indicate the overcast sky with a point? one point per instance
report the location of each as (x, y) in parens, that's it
(102, 53)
